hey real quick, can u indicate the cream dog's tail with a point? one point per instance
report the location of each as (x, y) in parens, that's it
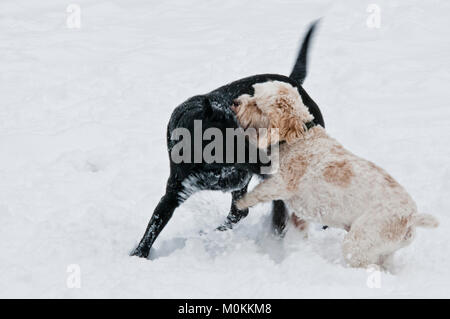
(425, 220)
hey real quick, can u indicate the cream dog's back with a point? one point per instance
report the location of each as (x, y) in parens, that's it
(334, 186)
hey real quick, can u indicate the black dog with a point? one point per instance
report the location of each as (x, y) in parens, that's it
(213, 109)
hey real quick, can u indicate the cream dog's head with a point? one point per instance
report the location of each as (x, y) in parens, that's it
(275, 106)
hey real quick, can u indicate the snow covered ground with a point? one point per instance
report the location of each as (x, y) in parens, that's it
(83, 158)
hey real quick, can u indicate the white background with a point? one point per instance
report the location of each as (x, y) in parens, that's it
(83, 160)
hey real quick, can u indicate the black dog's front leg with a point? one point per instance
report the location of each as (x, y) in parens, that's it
(280, 216)
(280, 213)
(235, 214)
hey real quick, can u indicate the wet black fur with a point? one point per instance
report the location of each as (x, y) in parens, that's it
(213, 109)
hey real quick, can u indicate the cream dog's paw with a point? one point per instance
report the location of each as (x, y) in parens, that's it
(242, 204)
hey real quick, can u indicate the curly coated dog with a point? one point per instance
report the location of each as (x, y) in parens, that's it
(323, 182)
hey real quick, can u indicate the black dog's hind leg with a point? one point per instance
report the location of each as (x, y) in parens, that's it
(162, 214)
(280, 216)
(235, 214)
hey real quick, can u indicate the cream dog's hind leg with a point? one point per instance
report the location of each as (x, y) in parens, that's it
(372, 238)
(268, 190)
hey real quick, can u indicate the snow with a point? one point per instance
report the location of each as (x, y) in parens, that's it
(83, 163)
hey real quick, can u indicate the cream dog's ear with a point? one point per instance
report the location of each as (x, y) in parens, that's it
(291, 128)
(289, 115)
(268, 136)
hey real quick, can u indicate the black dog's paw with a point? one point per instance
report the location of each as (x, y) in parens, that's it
(140, 252)
(225, 226)
(202, 233)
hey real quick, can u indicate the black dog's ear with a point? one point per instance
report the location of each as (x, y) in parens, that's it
(207, 108)
(214, 113)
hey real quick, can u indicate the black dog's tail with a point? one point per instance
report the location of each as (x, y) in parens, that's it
(299, 71)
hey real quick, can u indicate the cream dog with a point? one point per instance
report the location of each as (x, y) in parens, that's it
(323, 182)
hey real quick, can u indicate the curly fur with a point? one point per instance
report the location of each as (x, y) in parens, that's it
(274, 108)
(323, 182)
